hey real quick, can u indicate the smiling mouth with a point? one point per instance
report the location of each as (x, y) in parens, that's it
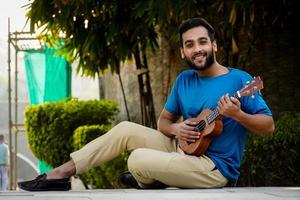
(198, 56)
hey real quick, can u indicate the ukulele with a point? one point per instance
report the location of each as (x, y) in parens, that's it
(209, 122)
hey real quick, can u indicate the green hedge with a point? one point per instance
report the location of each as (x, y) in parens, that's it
(274, 160)
(50, 126)
(105, 175)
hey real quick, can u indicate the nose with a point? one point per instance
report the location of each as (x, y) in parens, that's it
(197, 47)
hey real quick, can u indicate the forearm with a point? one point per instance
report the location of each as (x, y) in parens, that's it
(258, 123)
(185, 130)
(166, 127)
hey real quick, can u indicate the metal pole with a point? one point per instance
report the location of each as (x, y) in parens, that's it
(16, 120)
(9, 112)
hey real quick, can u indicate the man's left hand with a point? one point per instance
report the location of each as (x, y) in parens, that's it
(229, 106)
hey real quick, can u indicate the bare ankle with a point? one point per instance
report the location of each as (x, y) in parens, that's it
(66, 170)
(54, 174)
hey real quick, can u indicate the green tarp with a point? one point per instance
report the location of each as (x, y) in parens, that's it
(48, 80)
(48, 76)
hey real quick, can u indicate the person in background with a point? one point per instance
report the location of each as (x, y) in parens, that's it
(3, 164)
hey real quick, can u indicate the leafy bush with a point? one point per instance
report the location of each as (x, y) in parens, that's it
(50, 126)
(105, 175)
(274, 160)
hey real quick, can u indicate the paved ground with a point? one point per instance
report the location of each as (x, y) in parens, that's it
(258, 193)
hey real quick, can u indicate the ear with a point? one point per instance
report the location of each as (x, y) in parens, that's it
(182, 53)
(215, 46)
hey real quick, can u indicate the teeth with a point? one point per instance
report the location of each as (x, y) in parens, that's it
(198, 56)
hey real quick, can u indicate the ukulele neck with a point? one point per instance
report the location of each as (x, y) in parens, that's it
(215, 113)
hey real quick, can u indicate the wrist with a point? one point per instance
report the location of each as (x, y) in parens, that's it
(238, 116)
(174, 129)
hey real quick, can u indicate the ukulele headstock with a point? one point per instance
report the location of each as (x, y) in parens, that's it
(252, 87)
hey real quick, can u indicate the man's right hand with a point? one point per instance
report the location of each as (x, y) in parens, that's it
(187, 131)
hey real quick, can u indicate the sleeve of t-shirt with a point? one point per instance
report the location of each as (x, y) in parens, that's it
(255, 104)
(172, 104)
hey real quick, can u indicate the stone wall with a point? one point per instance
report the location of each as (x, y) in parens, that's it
(162, 76)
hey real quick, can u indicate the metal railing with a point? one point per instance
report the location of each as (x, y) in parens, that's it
(21, 41)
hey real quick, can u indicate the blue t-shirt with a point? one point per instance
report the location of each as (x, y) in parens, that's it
(192, 93)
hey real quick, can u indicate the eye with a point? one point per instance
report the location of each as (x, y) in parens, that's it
(189, 45)
(203, 42)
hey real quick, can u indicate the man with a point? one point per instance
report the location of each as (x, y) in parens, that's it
(156, 160)
(3, 164)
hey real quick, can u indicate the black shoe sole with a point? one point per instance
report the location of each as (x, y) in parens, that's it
(41, 183)
(67, 188)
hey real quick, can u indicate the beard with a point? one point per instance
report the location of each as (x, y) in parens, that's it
(209, 61)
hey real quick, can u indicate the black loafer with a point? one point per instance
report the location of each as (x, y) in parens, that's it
(41, 183)
(128, 180)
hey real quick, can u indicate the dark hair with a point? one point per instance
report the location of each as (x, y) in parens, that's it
(195, 22)
(1, 137)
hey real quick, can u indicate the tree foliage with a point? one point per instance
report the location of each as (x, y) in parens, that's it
(102, 33)
(98, 33)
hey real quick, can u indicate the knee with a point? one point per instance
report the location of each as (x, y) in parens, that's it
(123, 124)
(122, 127)
(137, 159)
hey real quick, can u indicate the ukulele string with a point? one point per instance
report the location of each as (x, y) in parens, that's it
(201, 125)
(212, 116)
(215, 113)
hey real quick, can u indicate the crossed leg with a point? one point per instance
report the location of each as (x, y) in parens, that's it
(174, 169)
(126, 136)
(155, 157)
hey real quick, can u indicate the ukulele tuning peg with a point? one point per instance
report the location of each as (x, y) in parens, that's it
(252, 96)
(247, 82)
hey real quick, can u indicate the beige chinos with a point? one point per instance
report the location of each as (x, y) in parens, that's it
(154, 157)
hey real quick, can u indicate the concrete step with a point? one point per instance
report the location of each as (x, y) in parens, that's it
(242, 193)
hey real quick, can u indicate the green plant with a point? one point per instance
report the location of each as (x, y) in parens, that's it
(274, 160)
(105, 175)
(50, 126)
